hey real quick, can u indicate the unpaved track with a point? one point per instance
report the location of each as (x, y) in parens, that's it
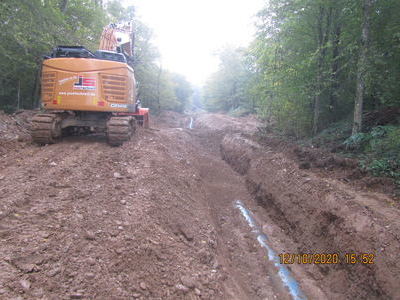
(153, 219)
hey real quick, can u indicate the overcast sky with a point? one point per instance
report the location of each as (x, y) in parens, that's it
(189, 32)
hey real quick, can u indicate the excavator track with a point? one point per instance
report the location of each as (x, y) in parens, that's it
(46, 128)
(120, 130)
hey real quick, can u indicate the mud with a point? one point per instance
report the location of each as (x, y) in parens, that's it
(155, 219)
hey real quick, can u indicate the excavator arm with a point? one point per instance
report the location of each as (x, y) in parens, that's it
(118, 38)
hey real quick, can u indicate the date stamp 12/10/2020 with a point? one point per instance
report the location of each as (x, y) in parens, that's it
(326, 258)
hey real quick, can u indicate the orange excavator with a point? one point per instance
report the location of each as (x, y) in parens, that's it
(82, 91)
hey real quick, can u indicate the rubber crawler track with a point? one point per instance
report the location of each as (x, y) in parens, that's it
(119, 130)
(45, 128)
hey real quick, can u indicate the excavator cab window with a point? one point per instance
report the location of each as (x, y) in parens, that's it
(72, 51)
(109, 55)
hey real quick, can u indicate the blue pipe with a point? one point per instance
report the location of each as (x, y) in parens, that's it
(284, 273)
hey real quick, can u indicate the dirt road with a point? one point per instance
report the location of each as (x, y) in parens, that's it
(156, 219)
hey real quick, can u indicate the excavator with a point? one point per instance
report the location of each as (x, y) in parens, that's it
(83, 92)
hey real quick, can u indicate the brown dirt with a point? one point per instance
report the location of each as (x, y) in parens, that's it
(319, 215)
(154, 219)
(331, 166)
(14, 129)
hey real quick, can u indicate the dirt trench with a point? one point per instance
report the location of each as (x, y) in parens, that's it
(319, 215)
(155, 219)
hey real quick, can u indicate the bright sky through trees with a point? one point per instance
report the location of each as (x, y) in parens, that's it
(190, 32)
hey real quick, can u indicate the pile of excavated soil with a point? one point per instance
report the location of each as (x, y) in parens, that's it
(14, 129)
(15, 126)
(170, 119)
(331, 166)
(224, 123)
(323, 216)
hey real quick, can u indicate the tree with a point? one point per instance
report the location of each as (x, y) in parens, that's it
(362, 66)
(226, 89)
(182, 89)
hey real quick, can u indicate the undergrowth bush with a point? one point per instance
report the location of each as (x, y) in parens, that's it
(380, 149)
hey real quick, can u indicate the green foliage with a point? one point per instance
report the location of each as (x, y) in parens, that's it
(183, 91)
(301, 69)
(380, 149)
(356, 141)
(31, 28)
(227, 88)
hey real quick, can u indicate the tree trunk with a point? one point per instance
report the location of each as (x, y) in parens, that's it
(323, 36)
(333, 101)
(362, 67)
(19, 94)
(98, 3)
(159, 88)
(63, 5)
(36, 87)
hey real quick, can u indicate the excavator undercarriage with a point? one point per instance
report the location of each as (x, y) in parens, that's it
(48, 127)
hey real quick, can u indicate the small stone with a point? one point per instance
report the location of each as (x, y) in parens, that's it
(120, 228)
(25, 284)
(136, 295)
(91, 261)
(143, 285)
(123, 202)
(37, 293)
(114, 233)
(117, 175)
(53, 164)
(2, 177)
(197, 291)
(181, 287)
(188, 281)
(76, 296)
(54, 272)
(89, 235)
(304, 165)
(29, 268)
(90, 276)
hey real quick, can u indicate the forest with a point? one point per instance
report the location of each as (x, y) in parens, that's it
(320, 72)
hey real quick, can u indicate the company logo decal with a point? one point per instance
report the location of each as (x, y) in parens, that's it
(85, 83)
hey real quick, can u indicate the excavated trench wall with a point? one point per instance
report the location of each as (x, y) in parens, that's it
(323, 217)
